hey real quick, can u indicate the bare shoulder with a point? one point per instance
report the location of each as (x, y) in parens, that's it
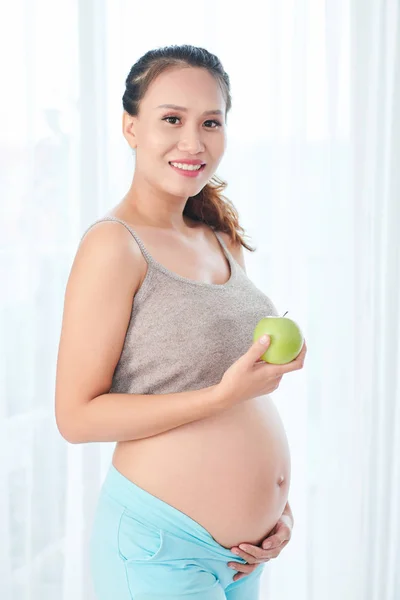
(112, 242)
(235, 249)
(97, 309)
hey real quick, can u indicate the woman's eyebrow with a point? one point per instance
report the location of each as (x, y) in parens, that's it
(206, 112)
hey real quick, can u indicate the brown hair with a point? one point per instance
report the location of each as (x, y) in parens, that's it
(209, 205)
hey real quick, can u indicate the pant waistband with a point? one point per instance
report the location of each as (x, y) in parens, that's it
(154, 510)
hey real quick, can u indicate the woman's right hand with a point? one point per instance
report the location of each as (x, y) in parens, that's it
(250, 377)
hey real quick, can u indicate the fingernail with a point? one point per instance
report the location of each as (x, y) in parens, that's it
(235, 551)
(267, 546)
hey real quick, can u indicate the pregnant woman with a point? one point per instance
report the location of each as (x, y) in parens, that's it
(156, 354)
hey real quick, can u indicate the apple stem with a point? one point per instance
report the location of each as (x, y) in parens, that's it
(285, 313)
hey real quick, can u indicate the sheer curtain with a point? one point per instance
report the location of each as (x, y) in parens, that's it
(312, 167)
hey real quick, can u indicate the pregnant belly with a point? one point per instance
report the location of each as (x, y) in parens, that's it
(229, 472)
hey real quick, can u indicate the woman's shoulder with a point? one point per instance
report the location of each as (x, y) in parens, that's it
(235, 249)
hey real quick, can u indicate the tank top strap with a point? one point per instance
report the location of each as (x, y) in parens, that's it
(222, 242)
(155, 264)
(146, 254)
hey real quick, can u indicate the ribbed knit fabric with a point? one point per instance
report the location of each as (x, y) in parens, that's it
(184, 334)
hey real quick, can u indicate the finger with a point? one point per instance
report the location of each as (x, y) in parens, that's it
(240, 575)
(293, 365)
(250, 558)
(303, 351)
(275, 552)
(255, 351)
(275, 541)
(253, 552)
(241, 568)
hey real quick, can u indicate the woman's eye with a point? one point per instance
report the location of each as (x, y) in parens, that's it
(217, 123)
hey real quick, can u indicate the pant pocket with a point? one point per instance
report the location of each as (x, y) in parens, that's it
(138, 540)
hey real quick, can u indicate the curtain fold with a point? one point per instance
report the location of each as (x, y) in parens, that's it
(376, 151)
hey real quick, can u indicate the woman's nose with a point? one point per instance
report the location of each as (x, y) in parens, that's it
(191, 142)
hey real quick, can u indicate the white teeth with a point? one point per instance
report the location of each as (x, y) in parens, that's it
(186, 167)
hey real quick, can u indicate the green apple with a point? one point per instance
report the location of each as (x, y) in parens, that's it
(286, 339)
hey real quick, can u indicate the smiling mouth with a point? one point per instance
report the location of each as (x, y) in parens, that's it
(188, 172)
(202, 167)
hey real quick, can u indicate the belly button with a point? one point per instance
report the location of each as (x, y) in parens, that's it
(281, 480)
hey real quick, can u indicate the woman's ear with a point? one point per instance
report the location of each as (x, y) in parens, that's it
(128, 129)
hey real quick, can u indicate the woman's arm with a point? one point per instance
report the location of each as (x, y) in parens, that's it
(104, 278)
(120, 417)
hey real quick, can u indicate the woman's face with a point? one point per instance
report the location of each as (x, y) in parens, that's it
(161, 135)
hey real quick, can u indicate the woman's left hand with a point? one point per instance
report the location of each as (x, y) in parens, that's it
(271, 547)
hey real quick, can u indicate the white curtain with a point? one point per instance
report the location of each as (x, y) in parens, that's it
(313, 169)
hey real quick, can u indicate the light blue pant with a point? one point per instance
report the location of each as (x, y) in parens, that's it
(142, 548)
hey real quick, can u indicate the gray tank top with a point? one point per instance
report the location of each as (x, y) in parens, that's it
(183, 334)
